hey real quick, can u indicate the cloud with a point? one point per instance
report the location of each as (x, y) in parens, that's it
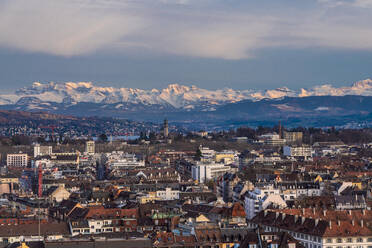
(203, 28)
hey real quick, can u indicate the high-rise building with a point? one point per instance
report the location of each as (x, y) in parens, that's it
(90, 147)
(165, 128)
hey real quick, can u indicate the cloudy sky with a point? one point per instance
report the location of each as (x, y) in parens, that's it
(210, 43)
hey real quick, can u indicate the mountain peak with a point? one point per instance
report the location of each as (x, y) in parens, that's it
(176, 95)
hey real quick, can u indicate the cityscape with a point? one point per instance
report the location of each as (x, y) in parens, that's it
(185, 123)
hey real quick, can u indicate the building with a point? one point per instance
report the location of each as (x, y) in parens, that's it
(225, 186)
(304, 152)
(207, 155)
(203, 172)
(42, 150)
(96, 220)
(293, 137)
(259, 199)
(319, 228)
(271, 139)
(30, 232)
(226, 156)
(58, 194)
(125, 160)
(168, 194)
(90, 147)
(17, 160)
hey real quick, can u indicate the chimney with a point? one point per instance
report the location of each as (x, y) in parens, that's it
(303, 211)
(338, 222)
(316, 222)
(295, 218)
(302, 219)
(363, 211)
(313, 211)
(330, 224)
(324, 212)
(361, 223)
(353, 222)
(349, 212)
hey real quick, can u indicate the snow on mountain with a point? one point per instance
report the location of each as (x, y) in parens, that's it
(175, 95)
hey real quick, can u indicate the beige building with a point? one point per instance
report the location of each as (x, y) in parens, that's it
(90, 147)
(59, 194)
(17, 160)
(293, 137)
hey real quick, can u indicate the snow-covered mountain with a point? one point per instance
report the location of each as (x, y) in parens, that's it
(40, 95)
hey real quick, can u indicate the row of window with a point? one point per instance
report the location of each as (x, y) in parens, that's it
(348, 240)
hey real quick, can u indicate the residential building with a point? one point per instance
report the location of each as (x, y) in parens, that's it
(260, 199)
(319, 228)
(17, 160)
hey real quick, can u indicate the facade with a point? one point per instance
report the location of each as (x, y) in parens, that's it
(168, 194)
(225, 186)
(305, 152)
(204, 172)
(42, 150)
(272, 139)
(90, 147)
(319, 228)
(126, 161)
(97, 220)
(259, 199)
(207, 155)
(293, 137)
(226, 156)
(17, 160)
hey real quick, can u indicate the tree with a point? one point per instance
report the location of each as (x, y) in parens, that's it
(103, 137)
(198, 154)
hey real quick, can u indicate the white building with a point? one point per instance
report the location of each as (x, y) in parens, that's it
(305, 152)
(259, 199)
(168, 194)
(17, 160)
(118, 160)
(207, 171)
(272, 139)
(42, 150)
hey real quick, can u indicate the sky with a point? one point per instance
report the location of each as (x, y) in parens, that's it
(241, 44)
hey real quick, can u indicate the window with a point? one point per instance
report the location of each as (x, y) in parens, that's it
(359, 240)
(349, 240)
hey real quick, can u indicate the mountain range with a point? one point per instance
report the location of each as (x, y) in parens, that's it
(199, 107)
(175, 95)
